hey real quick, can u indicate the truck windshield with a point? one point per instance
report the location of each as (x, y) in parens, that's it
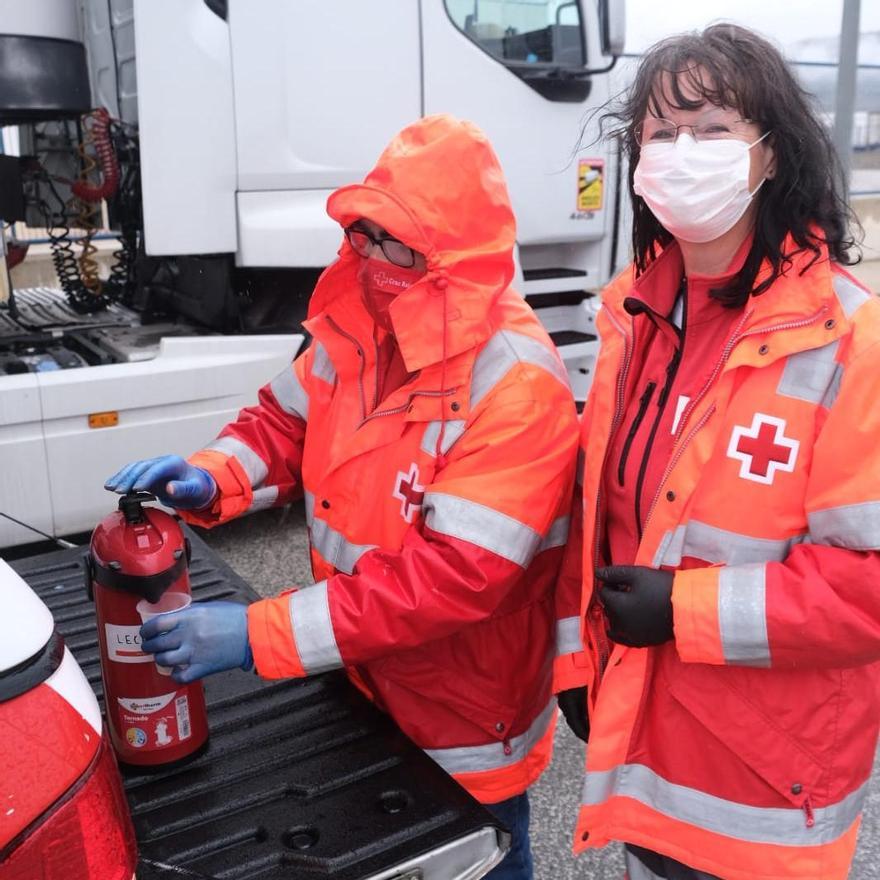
(523, 31)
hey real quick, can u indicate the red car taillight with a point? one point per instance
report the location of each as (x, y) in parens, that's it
(87, 836)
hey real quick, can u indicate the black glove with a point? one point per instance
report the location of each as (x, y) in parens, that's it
(573, 704)
(638, 604)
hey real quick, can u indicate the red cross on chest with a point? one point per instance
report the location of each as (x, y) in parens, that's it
(763, 449)
(408, 491)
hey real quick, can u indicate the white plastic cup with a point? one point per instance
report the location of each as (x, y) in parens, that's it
(167, 604)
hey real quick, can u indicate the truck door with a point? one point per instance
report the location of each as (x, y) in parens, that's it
(530, 73)
(320, 87)
(519, 69)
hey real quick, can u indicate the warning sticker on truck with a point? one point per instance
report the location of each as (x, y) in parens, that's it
(591, 180)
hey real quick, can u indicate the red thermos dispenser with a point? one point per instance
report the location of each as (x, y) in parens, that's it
(138, 567)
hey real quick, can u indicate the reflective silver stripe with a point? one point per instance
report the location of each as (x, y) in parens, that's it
(776, 825)
(453, 430)
(480, 525)
(290, 394)
(638, 870)
(334, 548)
(849, 295)
(472, 759)
(322, 366)
(313, 629)
(557, 536)
(853, 526)
(833, 389)
(503, 351)
(809, 374)
(253, 465)
(568, 636)
(701, 541)
(742, 615)
(310, 507)
(263, 498)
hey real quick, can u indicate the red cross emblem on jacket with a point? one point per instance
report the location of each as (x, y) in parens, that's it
(763, 449)
(410, 493)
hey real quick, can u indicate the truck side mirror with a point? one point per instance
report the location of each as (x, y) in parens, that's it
(612, 17)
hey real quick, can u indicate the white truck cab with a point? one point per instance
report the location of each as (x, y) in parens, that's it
(232, 121)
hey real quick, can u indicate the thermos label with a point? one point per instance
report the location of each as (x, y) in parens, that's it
(124, 644)
(146, 705)
(150, 723)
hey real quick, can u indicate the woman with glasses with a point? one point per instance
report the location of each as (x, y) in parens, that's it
(431, 429)
(719, 611)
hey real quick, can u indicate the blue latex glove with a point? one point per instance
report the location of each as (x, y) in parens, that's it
(174, 481)
(207, 637)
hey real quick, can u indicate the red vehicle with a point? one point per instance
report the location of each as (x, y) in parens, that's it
(63, 814)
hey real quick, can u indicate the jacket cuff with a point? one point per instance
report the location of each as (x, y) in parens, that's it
(234, 494)
(571, 671)
(695, 616)
(270, 634)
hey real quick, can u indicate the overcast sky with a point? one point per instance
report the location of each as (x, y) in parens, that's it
(785, 21)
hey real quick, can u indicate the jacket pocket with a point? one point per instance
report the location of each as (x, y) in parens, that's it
(475, 704)
(722, 706)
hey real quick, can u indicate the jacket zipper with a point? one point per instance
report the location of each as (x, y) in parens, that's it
(404, 406)
(807, 806)
(736, 337)
(387, 412)
(376, 383)
(671, 373)
(633, 430)
(595, 615)
(360, 352)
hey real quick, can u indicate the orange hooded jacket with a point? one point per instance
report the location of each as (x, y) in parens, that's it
(743, 747)
(436, 516)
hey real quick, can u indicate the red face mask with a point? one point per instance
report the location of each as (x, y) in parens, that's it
(381, 282)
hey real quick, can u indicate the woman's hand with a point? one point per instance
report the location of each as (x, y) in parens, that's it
(573, 705)
(172, 479)
(638, 604)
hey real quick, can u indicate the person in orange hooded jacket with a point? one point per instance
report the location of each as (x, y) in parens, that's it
(721, 604)
(432, 431)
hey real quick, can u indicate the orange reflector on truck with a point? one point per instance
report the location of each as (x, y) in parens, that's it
(103, 419)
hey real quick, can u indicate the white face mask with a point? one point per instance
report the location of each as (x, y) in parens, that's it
(696, 189)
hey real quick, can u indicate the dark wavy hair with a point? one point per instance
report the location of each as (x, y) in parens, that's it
(733, 67)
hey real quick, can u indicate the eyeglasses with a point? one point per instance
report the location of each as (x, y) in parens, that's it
(362, 243)
(655, 130)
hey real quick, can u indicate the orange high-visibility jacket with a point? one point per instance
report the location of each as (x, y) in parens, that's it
(437, 518)
(744, 747)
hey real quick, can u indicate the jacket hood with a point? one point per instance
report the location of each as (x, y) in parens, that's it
(439, 188)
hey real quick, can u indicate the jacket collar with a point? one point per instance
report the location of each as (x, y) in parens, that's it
(799, 311)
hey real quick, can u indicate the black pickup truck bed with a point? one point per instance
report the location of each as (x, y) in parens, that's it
(301, 779)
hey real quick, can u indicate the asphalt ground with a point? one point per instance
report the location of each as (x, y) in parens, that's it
(269, 550)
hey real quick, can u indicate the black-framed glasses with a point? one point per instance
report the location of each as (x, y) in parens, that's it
(655, 130)
(363, 242)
